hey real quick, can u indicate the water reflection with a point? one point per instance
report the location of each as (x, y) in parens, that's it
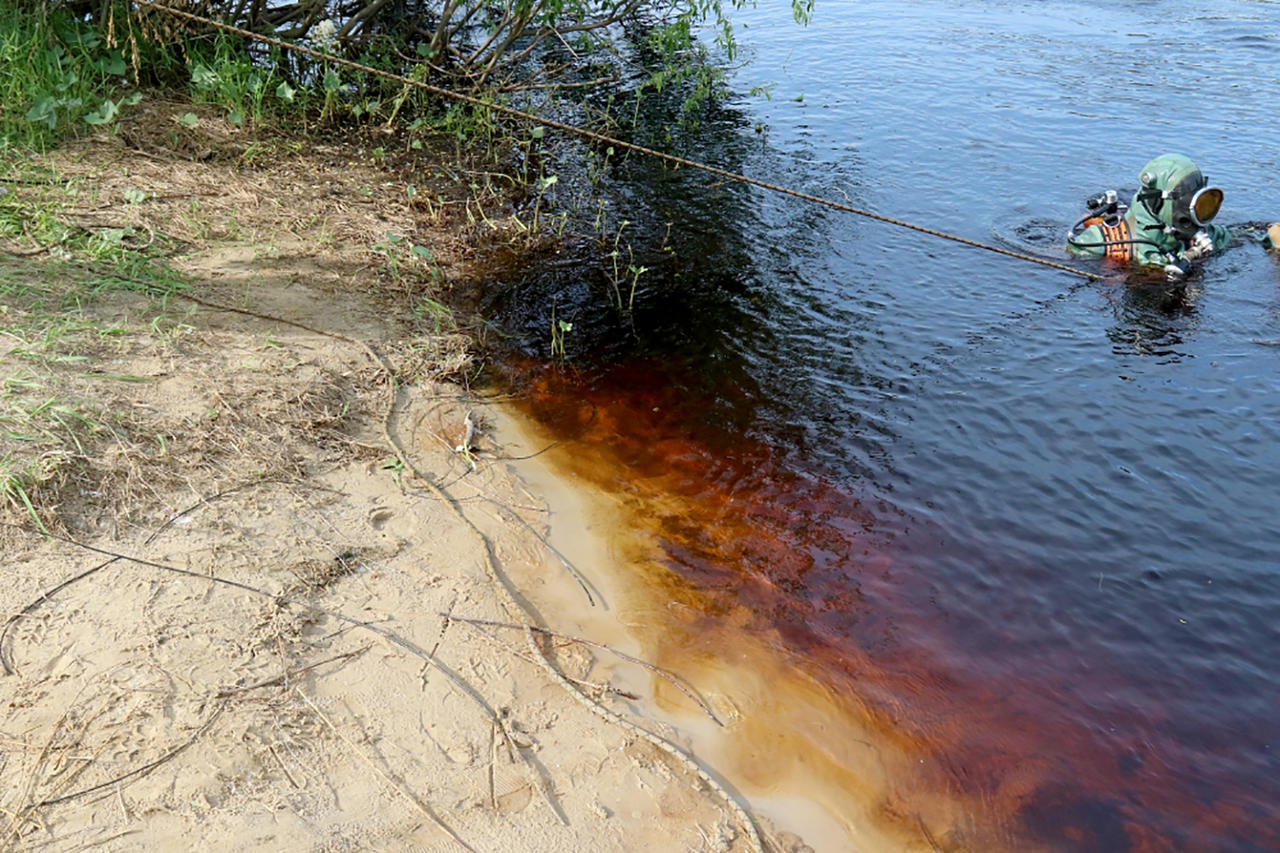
(1153, 317)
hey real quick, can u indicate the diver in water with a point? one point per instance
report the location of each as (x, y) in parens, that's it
(1167, 225)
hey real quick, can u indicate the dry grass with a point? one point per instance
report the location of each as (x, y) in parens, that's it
(113, 390)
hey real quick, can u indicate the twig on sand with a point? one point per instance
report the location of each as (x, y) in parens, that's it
(223, 696)
(284, 678)
(202, 502)
(138, 771)
(284, 600)
(597, 688)
(386, 777)
(6, 661)
(678, 682)
(493, 759)
(564, 561)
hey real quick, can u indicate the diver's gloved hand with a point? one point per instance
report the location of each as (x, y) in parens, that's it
(1201, 245)
(1176, 270)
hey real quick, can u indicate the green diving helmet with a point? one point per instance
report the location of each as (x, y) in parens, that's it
(1176, 193)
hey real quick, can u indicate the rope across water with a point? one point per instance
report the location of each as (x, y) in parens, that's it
(608, 140)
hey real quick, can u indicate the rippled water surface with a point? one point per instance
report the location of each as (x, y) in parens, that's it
(1031, 518)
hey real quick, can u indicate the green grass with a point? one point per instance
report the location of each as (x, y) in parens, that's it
(51, 345)
(249, 90)
(58, 267)
(51, 275)
(64, 76)
(60, 77)
(42, 432)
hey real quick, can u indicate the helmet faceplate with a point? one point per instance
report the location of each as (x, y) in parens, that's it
(1177, 193)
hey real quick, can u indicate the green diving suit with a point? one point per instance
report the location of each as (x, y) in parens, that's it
(1167, 226)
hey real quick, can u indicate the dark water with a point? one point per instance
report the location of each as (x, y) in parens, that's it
(1031, 518)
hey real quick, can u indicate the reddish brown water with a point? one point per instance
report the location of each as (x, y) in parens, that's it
(988, 760)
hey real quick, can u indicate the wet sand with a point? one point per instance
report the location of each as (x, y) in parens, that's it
(802, 755)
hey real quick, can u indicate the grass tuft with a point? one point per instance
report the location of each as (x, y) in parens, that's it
(61, 77)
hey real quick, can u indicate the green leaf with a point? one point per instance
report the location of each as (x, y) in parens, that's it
(133, 195)
(189, 120)
(103, 114)
(132, 100)
(422, 252)
(84, 37)
(236, 117)
(44, 110)
(114, 64)
(538, 132)
(285, 92)
(203, 76)
(331, 80)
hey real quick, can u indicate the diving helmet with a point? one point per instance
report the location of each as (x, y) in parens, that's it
(1178, 195)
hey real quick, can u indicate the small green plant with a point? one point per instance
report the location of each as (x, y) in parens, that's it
(390, 249)
(619, 275)
(60, 77)
(544, 184)
(396, 466)
(635, 272)
(332, 83)
(597, 165)
(437, 313)
(559, 328)
(473, 126)
(227, 77)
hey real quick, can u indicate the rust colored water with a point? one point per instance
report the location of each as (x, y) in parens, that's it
(785, 577)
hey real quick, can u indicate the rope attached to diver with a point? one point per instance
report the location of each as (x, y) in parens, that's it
(607, 140)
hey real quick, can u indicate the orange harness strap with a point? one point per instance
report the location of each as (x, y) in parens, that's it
(1117, 237)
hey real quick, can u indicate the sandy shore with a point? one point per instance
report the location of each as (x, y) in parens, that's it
(281, 610)
(289, 663)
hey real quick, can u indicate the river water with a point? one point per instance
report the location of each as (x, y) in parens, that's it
(1018, 525)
